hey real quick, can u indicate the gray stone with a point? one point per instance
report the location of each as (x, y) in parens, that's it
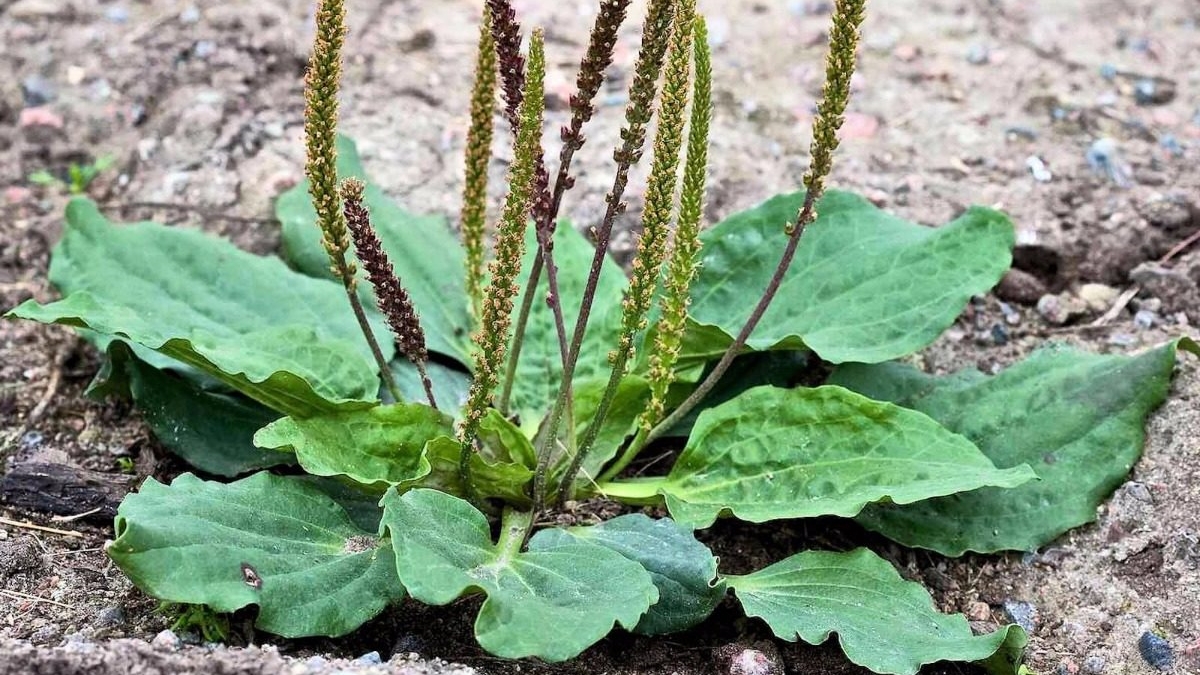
(1021, 613)
(1094, 664)
(38, 91)
(167, 640)
(111, 616)
(1156, 651)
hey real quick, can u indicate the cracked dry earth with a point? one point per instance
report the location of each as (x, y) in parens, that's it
(1080, 118)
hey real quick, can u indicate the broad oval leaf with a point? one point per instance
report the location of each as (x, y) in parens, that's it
(864, 286)
(384, 444)
(1077, 418)
(883, 622)
(211, 431)
(683, 569)
(425, 253)
(283, 339)
(552, 601)
(265, 540)
(800, 453)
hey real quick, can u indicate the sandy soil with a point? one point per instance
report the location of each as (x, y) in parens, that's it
(200, 104)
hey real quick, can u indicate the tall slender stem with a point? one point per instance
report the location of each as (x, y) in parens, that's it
(385, 371)
(789, 252)
(839, 69)
(591, 75)
(655, 33)
(656, 221)
(510, 368)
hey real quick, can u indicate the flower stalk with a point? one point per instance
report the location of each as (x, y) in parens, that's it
(493, 335)
(506, 32)
(656, 221)
(656, 30)
(684, 262)
(839, 68)
(478, 155)
(321, 84)
(390, 294)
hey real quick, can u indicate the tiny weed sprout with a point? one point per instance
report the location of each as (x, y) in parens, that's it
(78, 177)
(398, 407)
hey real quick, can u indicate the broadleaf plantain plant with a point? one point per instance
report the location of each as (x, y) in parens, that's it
(243, 363)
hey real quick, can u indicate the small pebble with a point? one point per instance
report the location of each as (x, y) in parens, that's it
(1156, 651)
(117, 14)
(167, 639)
(38, 91)
(189, 15)
(1094, 665)
(1011, 316)
(1105, 158)
(1038, 169)
(979, 611)
(1021, 613)
(316, 663)
(1145, 319)
(111, 616)
(735, 659)
(999, 335)
(31, 440)
(204, 49)
(1122, 340)
(369, 659)
(978, 55)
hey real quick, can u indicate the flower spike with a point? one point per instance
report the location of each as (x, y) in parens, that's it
(493, 335)
(479, 153)
(685, 252)
(393, 299)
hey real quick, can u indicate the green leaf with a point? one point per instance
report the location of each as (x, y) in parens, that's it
(504, 442)
(264, 540)
(683, 569)
(211, 431)
(633, 392)
(864, 286)
(539, 372)
(491, 478)
(883, 622)
(552, 601)
(800, 453)
(285, 340)
(1076, 418)
(384, 444)
(426, 255)
(450, 385)
(756, 369)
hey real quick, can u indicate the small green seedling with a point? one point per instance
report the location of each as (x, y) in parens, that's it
(79, 176)
(200, 619)
(525, 372)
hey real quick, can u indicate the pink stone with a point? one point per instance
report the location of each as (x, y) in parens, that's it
(40, 117)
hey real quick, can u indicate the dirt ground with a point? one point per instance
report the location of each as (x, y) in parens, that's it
(1081, 118)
